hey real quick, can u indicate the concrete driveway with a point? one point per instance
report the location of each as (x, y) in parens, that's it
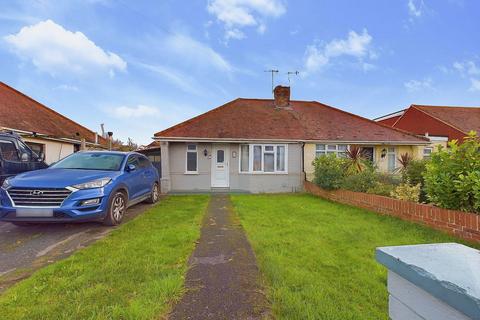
(25, 249)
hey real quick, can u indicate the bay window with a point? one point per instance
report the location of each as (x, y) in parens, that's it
(263, 158)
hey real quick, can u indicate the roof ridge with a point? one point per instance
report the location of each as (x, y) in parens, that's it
(436, 118)
(449, 107)
(47, 108)
(372, 121)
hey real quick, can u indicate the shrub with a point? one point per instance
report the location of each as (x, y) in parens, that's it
(355, 162)
(413, 174)
(382, 189)
(361, 181)
(407, 192)
(452, 176)
(329, 171)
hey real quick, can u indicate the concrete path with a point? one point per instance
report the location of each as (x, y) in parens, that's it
(223, 279)
(26, 249)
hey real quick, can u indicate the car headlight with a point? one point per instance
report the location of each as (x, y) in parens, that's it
(6, 183)
(99, 183)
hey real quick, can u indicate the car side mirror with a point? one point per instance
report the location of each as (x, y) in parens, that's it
(25, 157)
(131, 167)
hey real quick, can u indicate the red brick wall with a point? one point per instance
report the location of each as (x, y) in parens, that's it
(461, 224)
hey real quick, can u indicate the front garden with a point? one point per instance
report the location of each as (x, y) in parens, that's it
(317, 256)
(136, 272)
(449, 179)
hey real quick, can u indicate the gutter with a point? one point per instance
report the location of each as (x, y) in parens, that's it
(241, 140)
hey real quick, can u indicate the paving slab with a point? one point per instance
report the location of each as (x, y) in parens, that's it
(223, 281)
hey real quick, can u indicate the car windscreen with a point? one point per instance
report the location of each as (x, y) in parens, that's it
(91, 161)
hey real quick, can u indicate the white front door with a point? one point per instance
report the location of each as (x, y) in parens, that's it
(220, 168)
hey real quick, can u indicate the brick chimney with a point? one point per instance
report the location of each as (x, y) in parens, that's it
(282, 96)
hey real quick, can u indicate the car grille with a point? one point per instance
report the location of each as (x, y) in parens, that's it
(43, 197)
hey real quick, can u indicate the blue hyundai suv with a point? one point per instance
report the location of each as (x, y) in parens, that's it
(85, 186)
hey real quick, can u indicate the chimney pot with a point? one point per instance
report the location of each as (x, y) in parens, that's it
(282, 96)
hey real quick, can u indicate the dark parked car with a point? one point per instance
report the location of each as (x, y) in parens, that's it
(85, 186)
(16, 157)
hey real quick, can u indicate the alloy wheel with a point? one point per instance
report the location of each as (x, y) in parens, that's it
(118, 207)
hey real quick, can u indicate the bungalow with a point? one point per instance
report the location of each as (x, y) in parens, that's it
(43, 129)
(265, 145)
(439, 124)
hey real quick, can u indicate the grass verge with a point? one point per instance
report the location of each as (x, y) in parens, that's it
(136, 272)
(317, 257)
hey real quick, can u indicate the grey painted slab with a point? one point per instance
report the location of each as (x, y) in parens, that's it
(449, 271)
(407, 298)
(399, 311)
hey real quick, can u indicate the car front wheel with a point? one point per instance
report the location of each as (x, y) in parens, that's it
(116, 209)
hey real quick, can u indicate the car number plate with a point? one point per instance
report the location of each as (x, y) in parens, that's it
(34, 213)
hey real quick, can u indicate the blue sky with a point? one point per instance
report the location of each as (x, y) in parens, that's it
(141, 66)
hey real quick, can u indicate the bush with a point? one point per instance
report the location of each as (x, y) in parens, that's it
(382, 189)
(329, 171)
(407, 192)
(413, 174)
(452, 176)
(361, 181)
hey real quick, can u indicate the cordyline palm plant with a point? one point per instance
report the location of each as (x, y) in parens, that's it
(404, 161)
(355, 161)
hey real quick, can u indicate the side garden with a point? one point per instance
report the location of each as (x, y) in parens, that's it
(450, 179)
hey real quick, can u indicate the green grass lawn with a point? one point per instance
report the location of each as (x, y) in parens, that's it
(317, 257)
(136, 272)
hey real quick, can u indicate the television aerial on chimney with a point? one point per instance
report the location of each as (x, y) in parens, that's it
(272, 71)
(290, 73)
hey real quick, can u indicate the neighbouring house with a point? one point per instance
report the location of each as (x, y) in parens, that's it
(43, 129)
(440, 124)
(268, 145)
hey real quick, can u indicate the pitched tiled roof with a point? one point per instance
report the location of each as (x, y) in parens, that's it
(20, 112)
(303, 120)
(464, 119)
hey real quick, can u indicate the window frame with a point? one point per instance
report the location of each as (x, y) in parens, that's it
(327, 151)
(429, 155)
(389, 153)
(187, 151)
(251, 158)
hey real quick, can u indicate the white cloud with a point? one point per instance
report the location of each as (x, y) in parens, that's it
(355, 45)
(236, 14)
(475, 84)
(415, 8)
(467, 67)
(195, 52)
(53, 49)
(175, 77)
(418, 85)
(66, 87)
(140, 111)
(234, 34)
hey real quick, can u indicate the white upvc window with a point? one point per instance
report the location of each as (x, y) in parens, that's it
(191, 161)
(427, 152)
(263, 158)
(337, 149)
(392, 159)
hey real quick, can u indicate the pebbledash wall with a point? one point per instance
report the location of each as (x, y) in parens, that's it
(461, 224)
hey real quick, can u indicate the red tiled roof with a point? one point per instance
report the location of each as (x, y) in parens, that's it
(303, 120)
(464, 119)
(20, 112)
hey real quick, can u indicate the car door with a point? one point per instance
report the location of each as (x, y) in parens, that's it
(134, 179)
(11, 162)
(149, 175)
